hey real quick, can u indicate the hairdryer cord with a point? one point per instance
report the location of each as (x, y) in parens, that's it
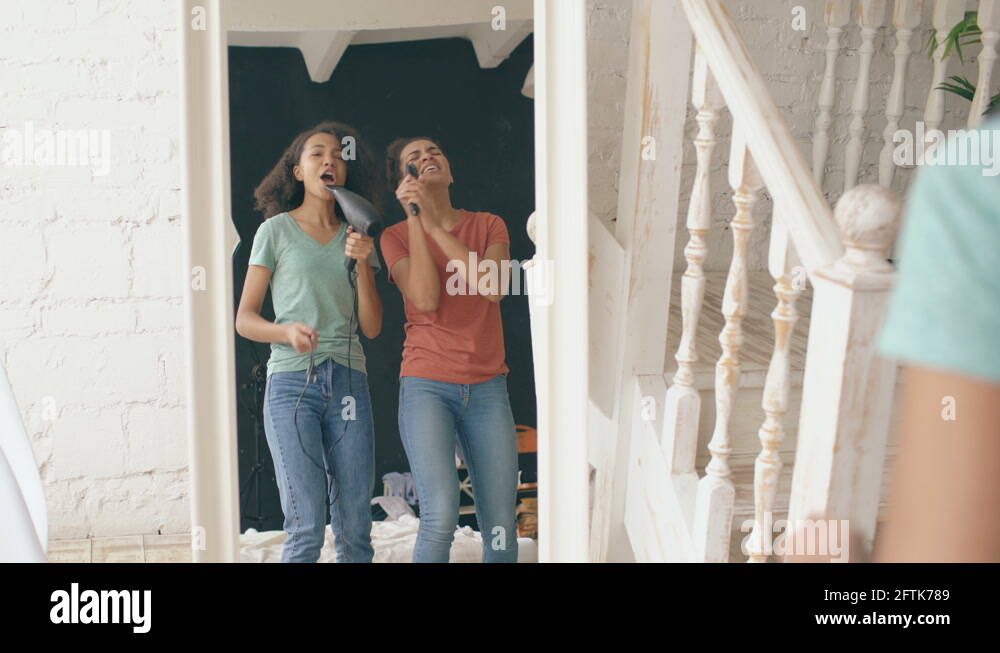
(311, 376)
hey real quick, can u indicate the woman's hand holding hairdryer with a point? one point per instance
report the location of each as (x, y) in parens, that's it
(302, 337)
(358, 246)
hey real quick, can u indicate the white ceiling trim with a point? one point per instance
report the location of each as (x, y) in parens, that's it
(299, 24)
(322, 51)
(529, 84)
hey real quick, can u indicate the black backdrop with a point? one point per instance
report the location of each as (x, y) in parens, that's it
(433, 88)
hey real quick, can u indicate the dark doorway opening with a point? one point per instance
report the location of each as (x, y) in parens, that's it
(434, 88)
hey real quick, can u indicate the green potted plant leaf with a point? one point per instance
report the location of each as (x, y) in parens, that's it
(966, 32)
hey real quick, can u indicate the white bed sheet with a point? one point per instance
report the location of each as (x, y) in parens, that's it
(393, 541)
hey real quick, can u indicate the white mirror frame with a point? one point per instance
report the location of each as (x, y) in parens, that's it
(209, 236)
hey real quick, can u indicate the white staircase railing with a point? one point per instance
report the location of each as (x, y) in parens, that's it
(847, 390)
(901, 19)
(642, 437)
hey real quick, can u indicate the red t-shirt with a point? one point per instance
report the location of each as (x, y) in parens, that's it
(462, 341)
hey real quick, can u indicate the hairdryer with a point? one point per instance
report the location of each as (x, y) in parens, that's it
(360, 214)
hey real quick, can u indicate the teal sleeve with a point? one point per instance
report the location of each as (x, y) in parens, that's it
(262, 252)
(945, 309)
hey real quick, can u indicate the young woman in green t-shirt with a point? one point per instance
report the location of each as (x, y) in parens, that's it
(317, 409)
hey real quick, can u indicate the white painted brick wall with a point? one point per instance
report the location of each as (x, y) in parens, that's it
(91, 302)
(792, 62)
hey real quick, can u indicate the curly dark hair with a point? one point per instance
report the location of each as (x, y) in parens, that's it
(393, 171)
(280, 191)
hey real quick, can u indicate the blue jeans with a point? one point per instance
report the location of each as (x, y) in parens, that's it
(431, 413)
(337, 434)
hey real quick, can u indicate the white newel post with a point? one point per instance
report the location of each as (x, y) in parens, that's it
(848, 388)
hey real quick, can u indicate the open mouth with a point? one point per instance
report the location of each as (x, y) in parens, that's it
(430, 168)
(329, 179)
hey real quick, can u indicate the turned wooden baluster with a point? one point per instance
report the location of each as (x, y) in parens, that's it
(989, 22)
(848, 388)
(947, 13)
(871, 16)
(683, 403)
(714, 507)
(905, 16)
(838, 14)
(789, 280)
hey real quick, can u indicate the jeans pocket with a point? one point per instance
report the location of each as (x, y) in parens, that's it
(286, 387)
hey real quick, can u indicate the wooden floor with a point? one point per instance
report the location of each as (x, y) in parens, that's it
(127, 548)
(758, 328)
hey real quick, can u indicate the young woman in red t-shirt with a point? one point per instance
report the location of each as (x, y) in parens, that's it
(453, 379)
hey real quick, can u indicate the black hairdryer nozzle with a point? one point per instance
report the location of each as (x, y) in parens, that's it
(360, 214)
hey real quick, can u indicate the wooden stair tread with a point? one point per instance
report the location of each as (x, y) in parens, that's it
(758, 329)
(743, 482)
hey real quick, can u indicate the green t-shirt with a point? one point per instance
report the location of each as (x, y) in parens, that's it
(945, 309)
(309, 284)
